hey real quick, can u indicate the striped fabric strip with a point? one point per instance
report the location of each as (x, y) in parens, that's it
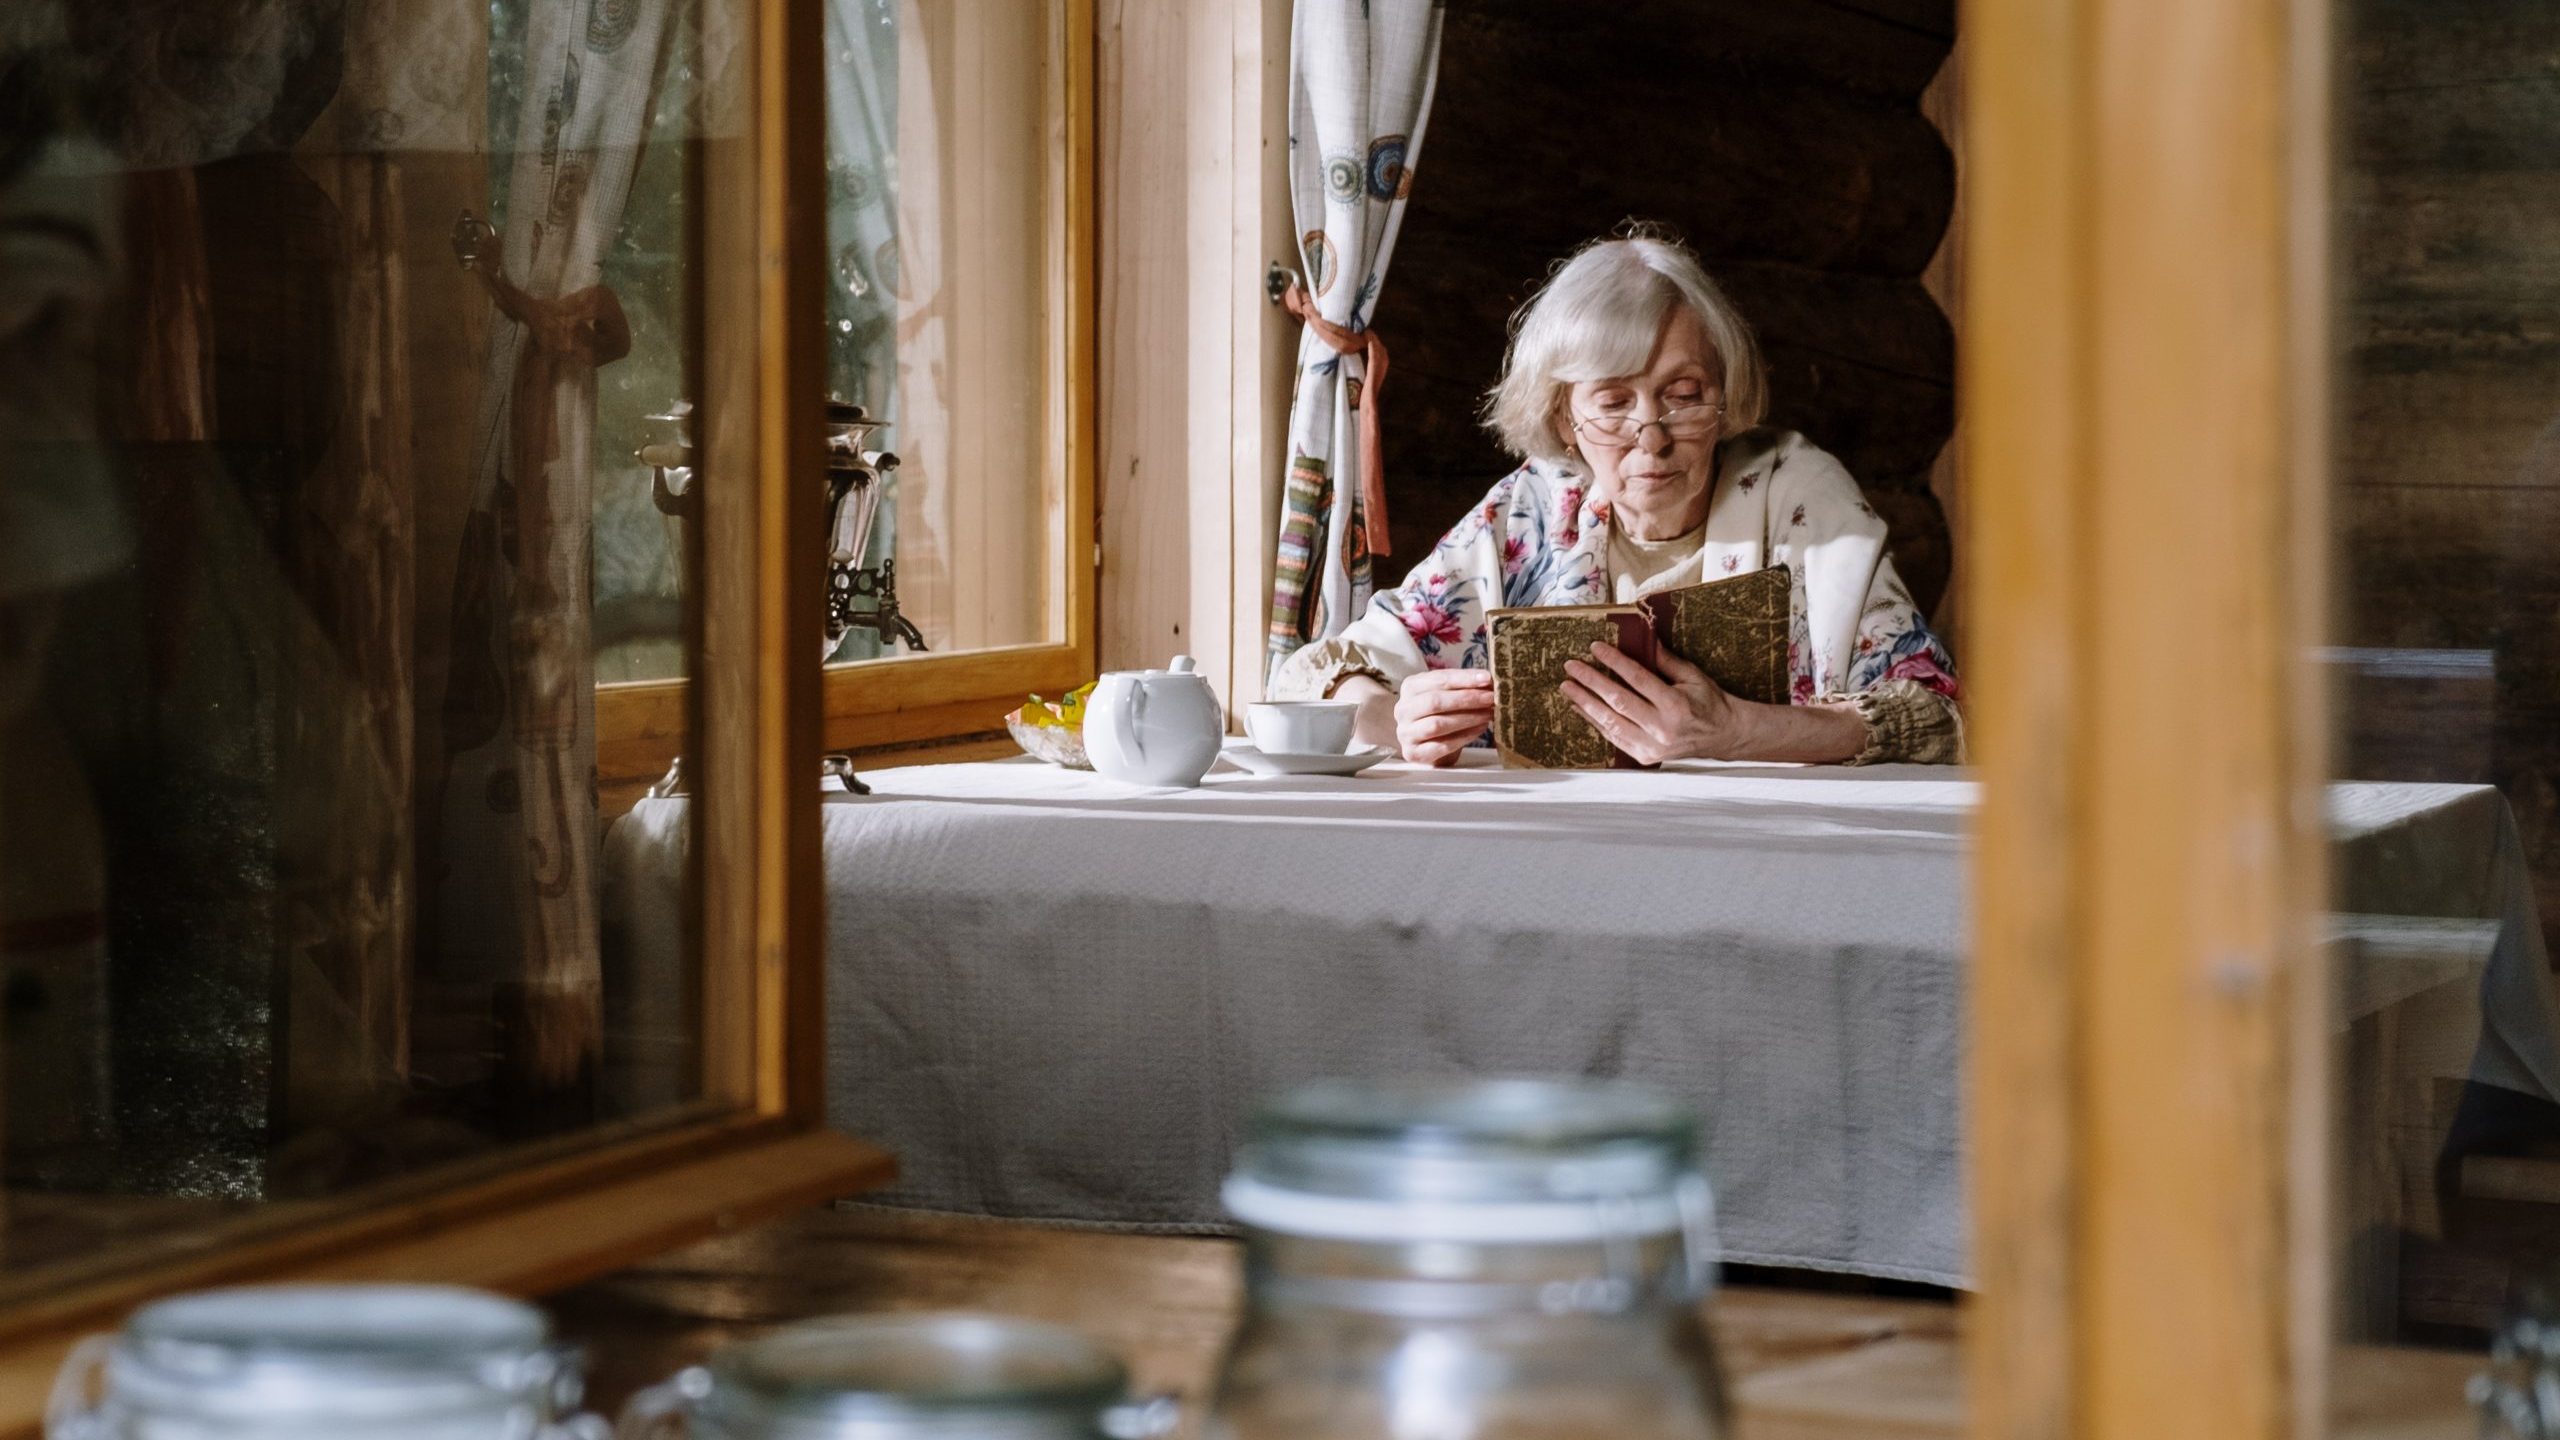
(1302, 512)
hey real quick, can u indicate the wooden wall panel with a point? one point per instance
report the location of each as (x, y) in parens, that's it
(972, 114)
(1193, 362)
(1264, 227)
(1209, 344)
(1142, 485)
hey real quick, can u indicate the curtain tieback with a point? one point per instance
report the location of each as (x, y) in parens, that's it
(1373, 364)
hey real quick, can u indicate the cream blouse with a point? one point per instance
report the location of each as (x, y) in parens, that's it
(1638, 568)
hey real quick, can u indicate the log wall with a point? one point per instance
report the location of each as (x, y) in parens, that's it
(1192, 379)
(1786, 143)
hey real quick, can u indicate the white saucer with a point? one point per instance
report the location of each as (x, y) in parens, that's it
(1282, 763)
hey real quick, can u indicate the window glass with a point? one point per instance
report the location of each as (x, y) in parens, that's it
(2445, 667)
(941, 168)
(326, 332)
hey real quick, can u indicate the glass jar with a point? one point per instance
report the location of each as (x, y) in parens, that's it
(903, 1377)
(1471, 1260)
(324, 1362)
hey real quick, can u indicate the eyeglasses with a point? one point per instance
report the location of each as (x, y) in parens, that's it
(1689, 422)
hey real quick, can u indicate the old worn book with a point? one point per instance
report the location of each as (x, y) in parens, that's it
(1735, 630)
(1533, 722)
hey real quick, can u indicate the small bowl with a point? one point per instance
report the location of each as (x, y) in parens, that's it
(1053, 743)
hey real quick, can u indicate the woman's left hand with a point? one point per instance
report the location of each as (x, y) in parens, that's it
(1677, 715)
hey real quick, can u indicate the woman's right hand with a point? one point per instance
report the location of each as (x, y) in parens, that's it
(1441, 712)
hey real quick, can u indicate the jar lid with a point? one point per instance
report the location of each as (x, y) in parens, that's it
(890, 1375)
(1521, 1161)
(334, 1352)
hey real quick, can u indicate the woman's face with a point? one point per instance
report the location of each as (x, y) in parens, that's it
(1658, 479)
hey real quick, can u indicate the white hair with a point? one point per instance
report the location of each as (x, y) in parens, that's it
(1597, 318)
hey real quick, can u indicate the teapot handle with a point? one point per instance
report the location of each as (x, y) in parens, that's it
(1180, 665)
(1138, 723)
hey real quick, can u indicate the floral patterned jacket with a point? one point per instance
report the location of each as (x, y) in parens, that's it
(1538, 538)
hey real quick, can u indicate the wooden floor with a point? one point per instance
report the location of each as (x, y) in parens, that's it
(1806, 1365)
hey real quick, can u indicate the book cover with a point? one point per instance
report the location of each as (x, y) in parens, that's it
(1533, 723)
(1736, 630)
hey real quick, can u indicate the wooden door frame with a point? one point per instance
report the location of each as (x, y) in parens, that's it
(2143, 370)
(536, 1218)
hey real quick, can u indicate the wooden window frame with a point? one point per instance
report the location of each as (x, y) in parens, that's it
(901, 700)
(2144, 373)
(536, 1218)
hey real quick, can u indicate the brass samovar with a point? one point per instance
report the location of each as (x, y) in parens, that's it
(855, 479)
(854, 489)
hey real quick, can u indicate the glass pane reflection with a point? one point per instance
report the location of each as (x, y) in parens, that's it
(303, 588)
(2445, 658)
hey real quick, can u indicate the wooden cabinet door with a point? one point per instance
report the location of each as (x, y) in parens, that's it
(319, 958)
(2143, 270)
(2258, 351)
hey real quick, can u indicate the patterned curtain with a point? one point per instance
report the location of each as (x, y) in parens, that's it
(519, 834)
(1361, 74)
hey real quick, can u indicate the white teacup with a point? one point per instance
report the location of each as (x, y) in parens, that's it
(1301, 727)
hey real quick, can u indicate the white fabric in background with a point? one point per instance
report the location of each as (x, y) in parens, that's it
(1056, 996)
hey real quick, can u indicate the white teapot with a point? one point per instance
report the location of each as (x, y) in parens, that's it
(1153, 727)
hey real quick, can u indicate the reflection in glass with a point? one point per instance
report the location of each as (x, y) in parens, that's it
(2445, 662)
(940, 176)
(304, 543)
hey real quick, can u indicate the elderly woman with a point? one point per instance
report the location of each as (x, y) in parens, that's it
(1633, 396)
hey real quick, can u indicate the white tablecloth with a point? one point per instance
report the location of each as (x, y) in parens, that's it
(1053, 995)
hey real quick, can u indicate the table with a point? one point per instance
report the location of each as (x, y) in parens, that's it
(1056, 996)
